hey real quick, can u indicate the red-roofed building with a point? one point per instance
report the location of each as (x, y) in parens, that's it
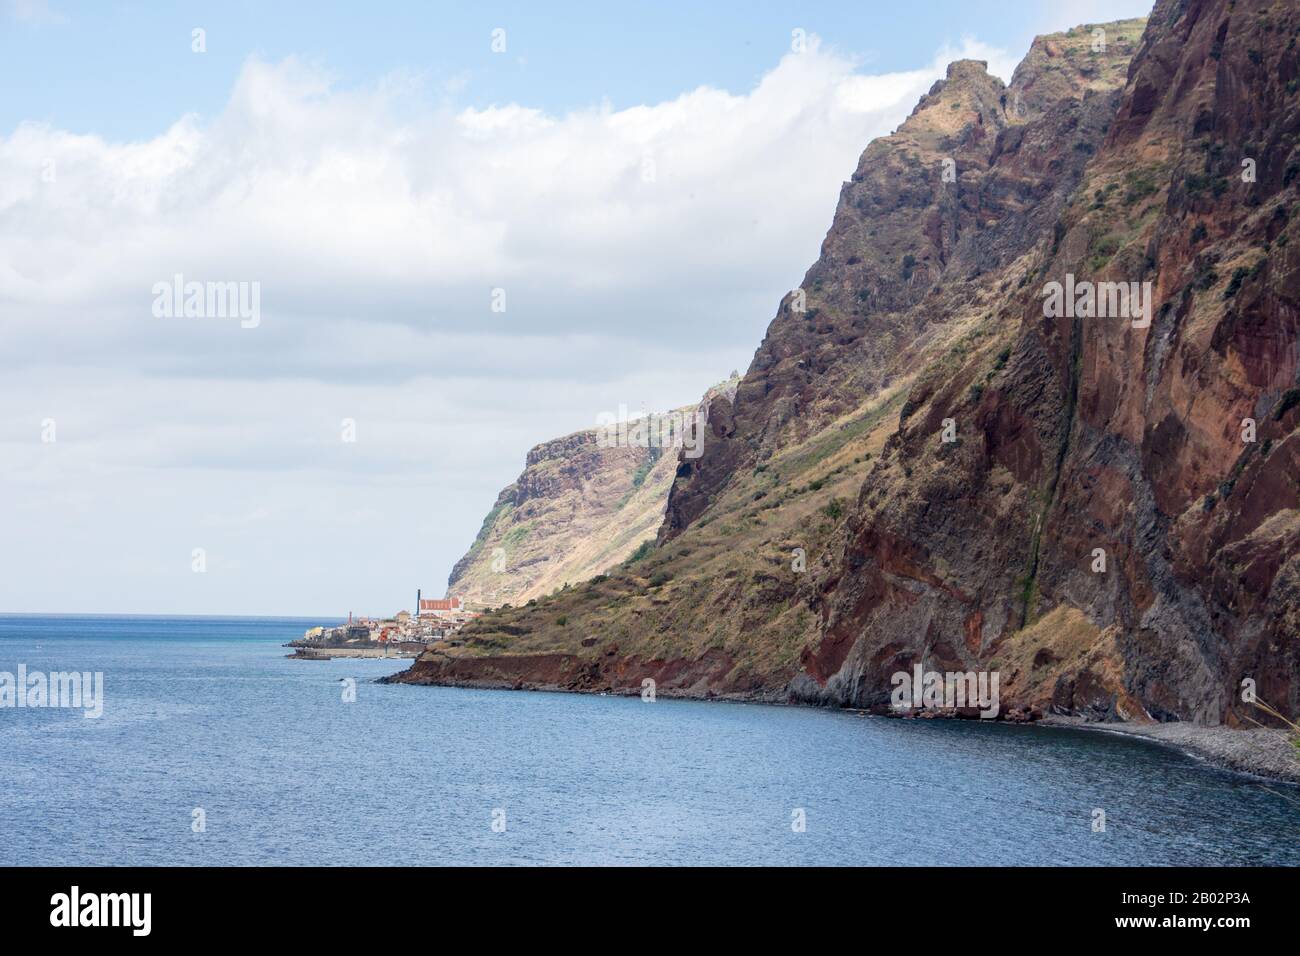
(439, 607)
(440, 604)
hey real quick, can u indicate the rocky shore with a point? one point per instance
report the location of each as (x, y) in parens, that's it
(610, 674)
(307, 652)
(1257, 751)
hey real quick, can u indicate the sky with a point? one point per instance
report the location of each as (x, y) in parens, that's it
(459, 230)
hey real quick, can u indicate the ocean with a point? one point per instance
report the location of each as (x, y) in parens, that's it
(214, 748)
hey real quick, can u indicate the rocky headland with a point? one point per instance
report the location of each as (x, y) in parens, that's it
(927, 464)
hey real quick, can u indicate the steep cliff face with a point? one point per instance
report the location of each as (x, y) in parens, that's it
(926, 464)
(576, 509)
(1107, 530)
(930, 220)
(581, 506)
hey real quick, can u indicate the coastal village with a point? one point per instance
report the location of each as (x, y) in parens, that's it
(435, 623)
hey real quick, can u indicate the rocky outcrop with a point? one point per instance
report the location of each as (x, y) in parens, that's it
(576, 509)
(712, 675)
(581, 506)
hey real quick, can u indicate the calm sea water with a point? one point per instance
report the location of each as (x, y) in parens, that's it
(208, 713)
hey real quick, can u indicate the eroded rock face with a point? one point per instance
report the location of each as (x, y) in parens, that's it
(579, 507)
(1097, 433)
(966, 185)
(576, 509)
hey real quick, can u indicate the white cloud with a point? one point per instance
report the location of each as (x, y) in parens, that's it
(36, 12)
(642, 251)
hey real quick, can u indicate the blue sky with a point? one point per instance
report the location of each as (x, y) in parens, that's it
(126, 70)
(643, 187)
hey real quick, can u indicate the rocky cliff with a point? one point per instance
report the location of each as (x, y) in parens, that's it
(1115, 526)
(928, 463)
(583, 504)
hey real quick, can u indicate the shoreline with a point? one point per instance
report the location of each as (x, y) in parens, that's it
(1260, 752)
(1255, 752)
(308, 653)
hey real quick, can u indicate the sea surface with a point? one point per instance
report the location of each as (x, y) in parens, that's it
(208, 714)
